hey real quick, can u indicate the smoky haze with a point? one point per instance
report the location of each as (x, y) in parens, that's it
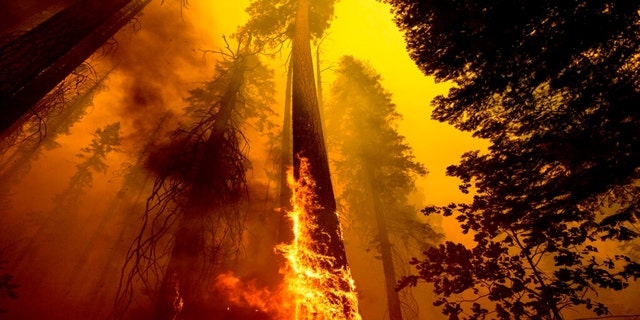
(66, 228)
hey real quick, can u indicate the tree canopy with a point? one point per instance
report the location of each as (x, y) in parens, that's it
(554, 87)
(273, 21)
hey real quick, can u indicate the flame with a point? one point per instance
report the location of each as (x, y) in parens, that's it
(318, 289)
(313, 288)
(247, 294)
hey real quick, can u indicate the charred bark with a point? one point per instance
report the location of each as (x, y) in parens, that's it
(33, 64)
(308, 139)
(308, 142)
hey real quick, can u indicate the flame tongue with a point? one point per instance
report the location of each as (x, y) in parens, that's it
(315, 287)
(320, 290)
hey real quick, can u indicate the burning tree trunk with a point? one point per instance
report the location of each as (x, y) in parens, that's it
(308, 145)
(34, 63)
(18, 163)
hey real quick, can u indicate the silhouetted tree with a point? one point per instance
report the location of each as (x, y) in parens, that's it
(375, 169)
(273, 24)
(308, 143)
(555, 89)
(133, 189)
(71, 100)
(34, 63)
(193, 220)
(34, 257)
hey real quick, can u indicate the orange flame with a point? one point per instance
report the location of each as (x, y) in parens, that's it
(312, 288)
(317, 288)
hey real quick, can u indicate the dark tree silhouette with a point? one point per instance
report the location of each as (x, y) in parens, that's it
(555, 89)
(375, 170)
(61, 222)
(71, 100)
(309, 144)
(34, 63)
(194, 207)
(273, 24)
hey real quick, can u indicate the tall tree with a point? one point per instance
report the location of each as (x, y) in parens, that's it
(309, 145)
(554, 87)
(273, 24)
(285, 230)
(201, 181)
(375, 169)
(71, 102)
(34, 63)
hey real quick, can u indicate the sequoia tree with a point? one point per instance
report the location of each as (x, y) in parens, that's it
(554, 87)
(274, 25)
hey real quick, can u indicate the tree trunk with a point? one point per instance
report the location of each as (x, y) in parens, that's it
(319, 83)
(308, 142)
(19, 163)
(182, 279)
(308, 139)
(285, 227)
(393, 300)
(33, 64)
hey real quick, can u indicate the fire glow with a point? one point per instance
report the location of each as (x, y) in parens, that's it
(309, 277)
(312, 288)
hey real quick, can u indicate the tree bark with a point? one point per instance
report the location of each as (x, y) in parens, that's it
(385, 249)
(308, 139)
(33, 64)
(285, 227)
(308, 142)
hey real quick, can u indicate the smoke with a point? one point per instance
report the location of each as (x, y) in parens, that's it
(154, 61)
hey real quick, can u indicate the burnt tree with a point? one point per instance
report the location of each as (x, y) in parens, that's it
(308, 143)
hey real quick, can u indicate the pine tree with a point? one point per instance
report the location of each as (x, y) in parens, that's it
(375, 169)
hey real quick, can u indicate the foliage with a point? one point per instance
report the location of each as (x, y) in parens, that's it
(200, 173)
(94, 156)
(376, 170)
(554, 87)
(361, 129)
(272, 22)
